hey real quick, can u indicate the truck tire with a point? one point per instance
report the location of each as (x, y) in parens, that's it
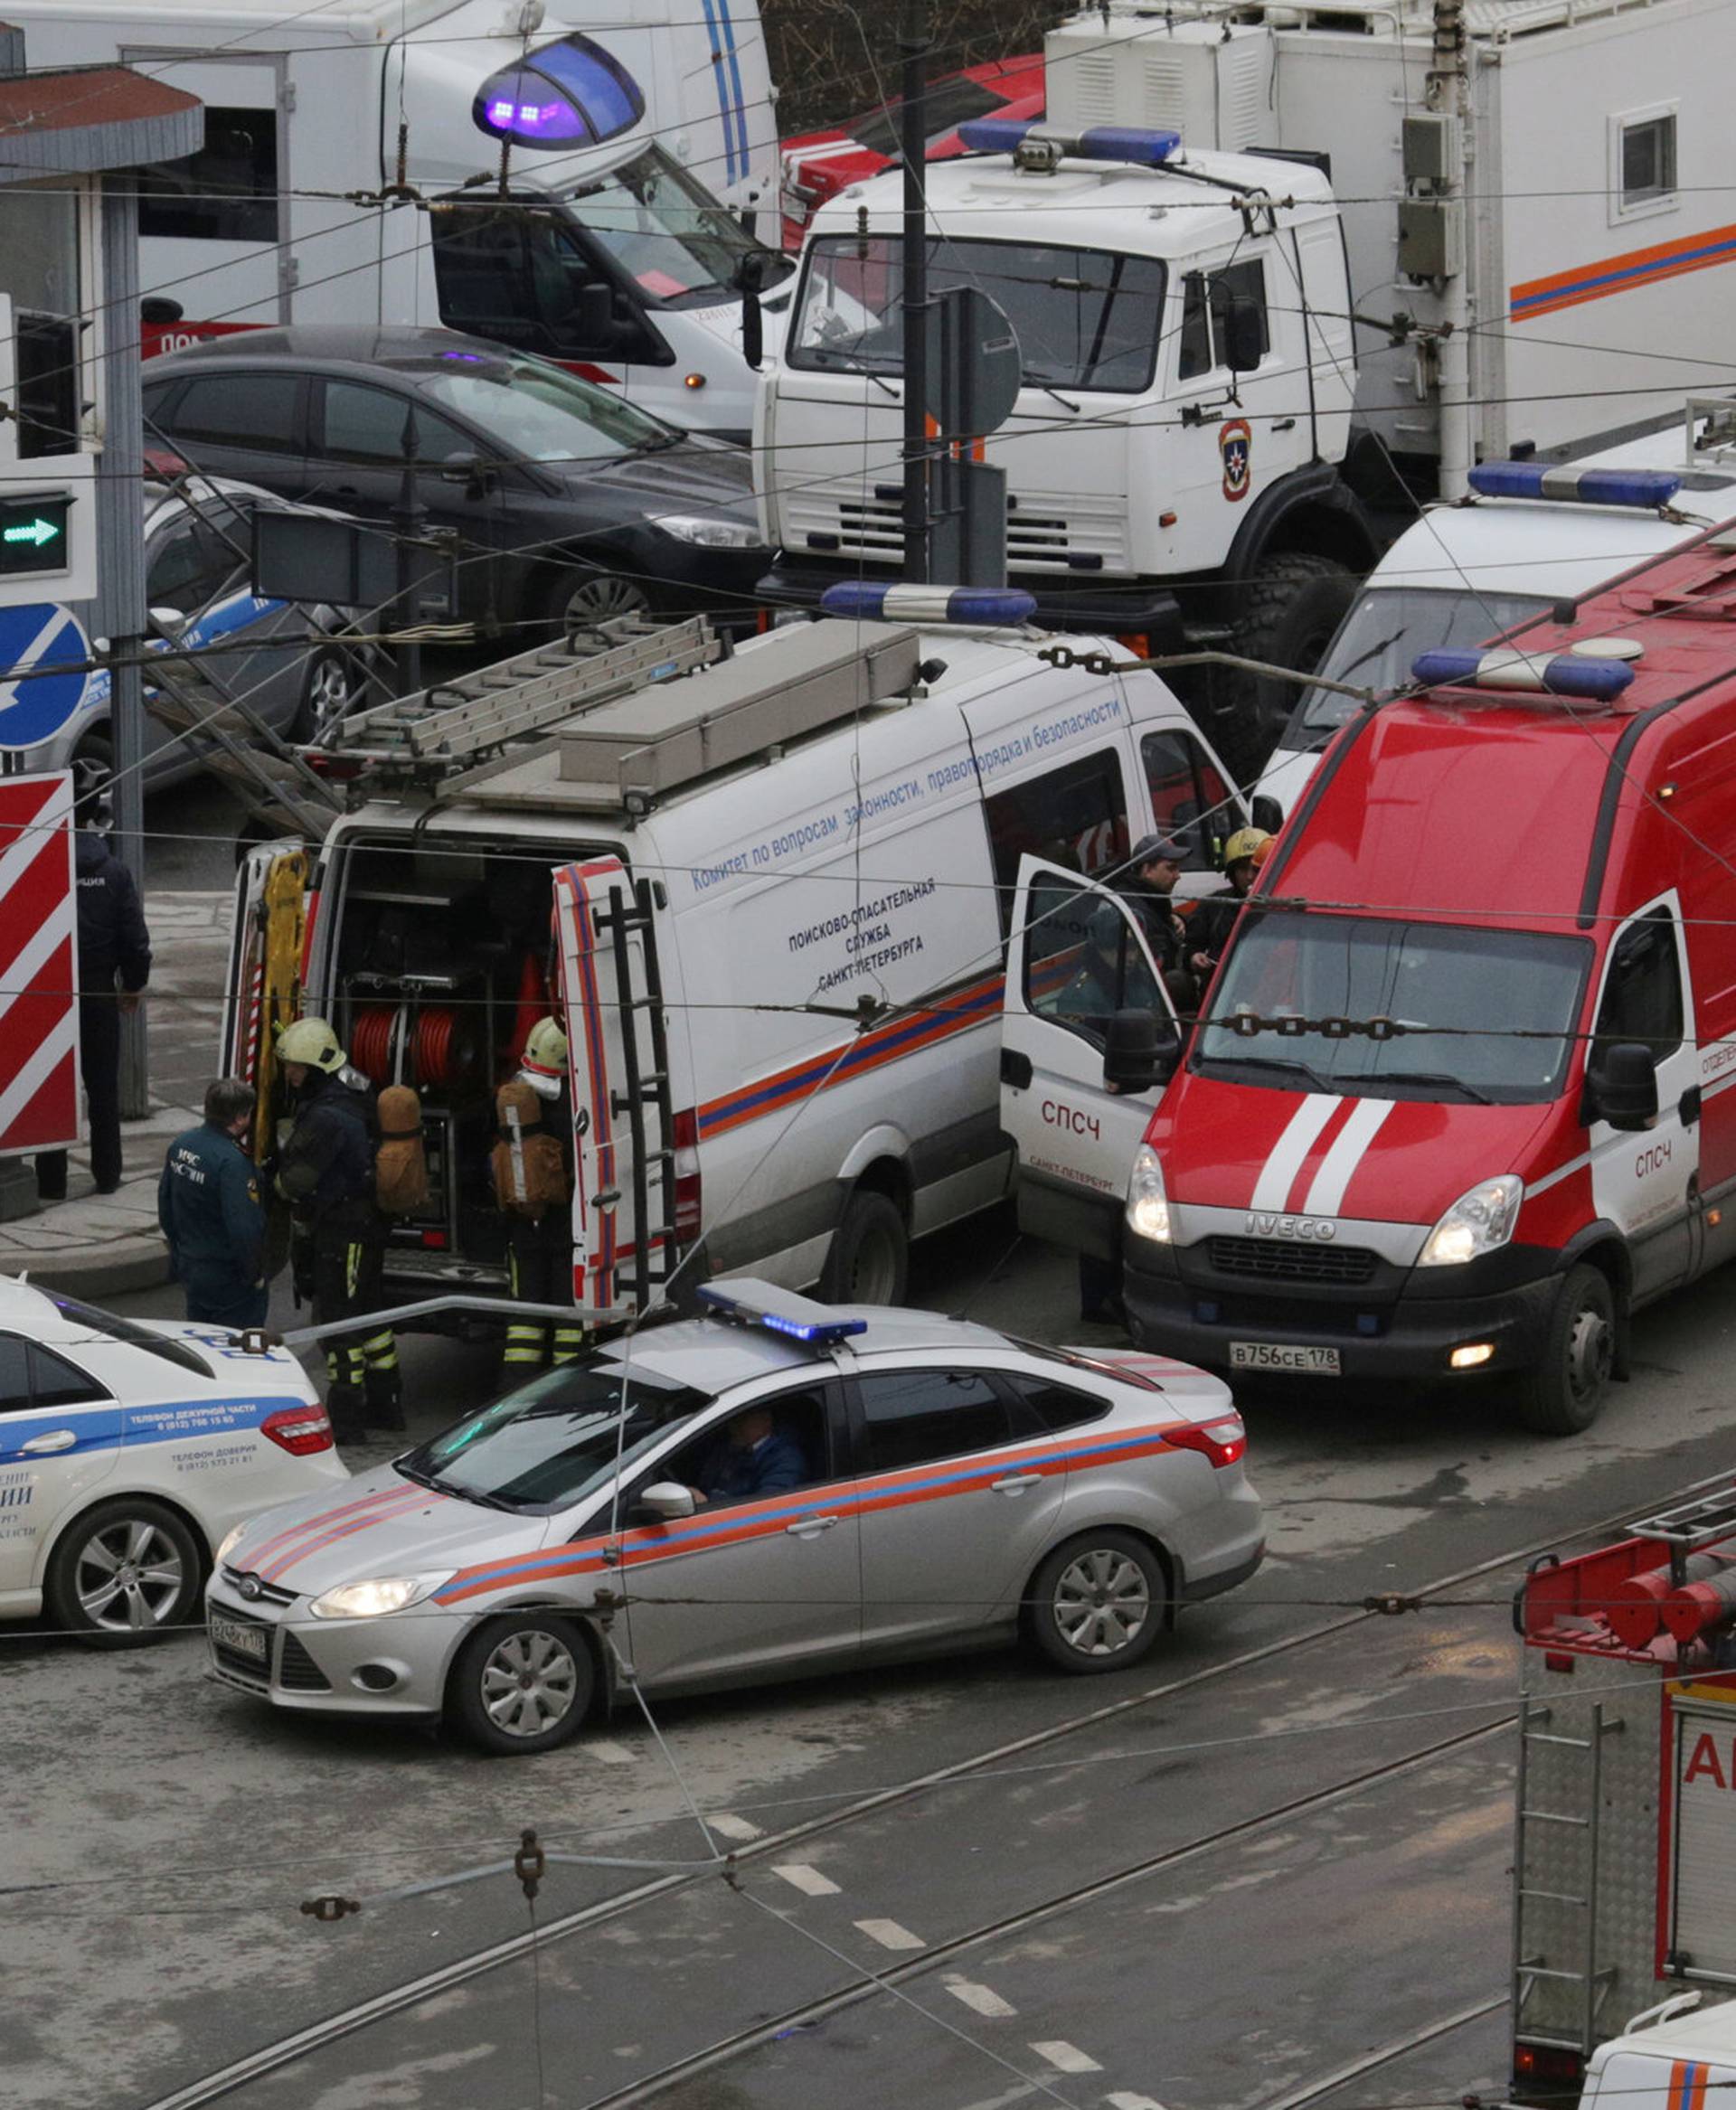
(1562, 1396)
(1286, 615)
(869, 1259)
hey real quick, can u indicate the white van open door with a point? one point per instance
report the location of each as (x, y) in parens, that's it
(1076, 958)
(262, 991)
(618, 1068)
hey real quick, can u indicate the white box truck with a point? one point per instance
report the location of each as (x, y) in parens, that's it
(769, 891)
(554, 176)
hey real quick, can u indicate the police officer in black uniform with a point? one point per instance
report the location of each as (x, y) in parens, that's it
(113, 942)
(338, 1252)
(208, 1204)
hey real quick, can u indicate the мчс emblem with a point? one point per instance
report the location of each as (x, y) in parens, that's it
(1235, 443)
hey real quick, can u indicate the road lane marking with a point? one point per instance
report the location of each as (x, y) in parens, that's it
(808, 1881)
(1124, 2099)
(735, 1827)
(1066, 2058)
(978, 1997)
(889, 1935)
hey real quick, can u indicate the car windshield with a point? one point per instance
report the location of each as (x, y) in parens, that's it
(1381, 636)
(668, 234)
(1484, 1015)
(539, 413)
(551, 1442)
(1085, 318)
(107, 1326)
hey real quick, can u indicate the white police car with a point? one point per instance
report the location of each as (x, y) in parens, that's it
(128, 1449)
(779, 1486)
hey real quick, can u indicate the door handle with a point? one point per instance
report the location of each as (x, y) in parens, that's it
(1016, 1069)
(1283, 424)
(809, 1527)
(60, 1439)
(1015, 1482)
(1688, 1110)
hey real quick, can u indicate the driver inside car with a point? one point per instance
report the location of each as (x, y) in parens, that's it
(751, 1458)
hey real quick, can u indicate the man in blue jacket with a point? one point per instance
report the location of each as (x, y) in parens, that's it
(752, 1457)
(209, 1206)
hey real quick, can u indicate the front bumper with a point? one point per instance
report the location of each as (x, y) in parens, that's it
(1134, 609)
(1388, 1329)
(324, 1666)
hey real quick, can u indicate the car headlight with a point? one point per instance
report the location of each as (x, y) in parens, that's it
(375, 1597)
(1147, 1204)
(710, 534)
(1477, 1222)
(229, 1544)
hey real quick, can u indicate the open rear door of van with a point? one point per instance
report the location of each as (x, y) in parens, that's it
(1075, 957)
(623, 1200)
(262, 994)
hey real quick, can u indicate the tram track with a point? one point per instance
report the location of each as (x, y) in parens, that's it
(224, 2081)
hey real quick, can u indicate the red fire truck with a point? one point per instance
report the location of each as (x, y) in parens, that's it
(1625, 1857)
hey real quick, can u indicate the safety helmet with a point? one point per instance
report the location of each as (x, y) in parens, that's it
(1245, 843)
(312, 1041)
(545, 1049)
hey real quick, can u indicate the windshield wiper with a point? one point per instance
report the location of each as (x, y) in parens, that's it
(1288, 1063)
(1435, 1077)
(657, 442)
(440, 1486)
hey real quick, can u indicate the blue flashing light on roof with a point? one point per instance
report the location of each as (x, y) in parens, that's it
(1597, 681)
(570, 93)
(1648, 488)
(751, 1302)
(992, 606)
(1129, 143)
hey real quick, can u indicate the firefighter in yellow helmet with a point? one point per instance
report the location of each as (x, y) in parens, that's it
(337, 1248)
(1210, 924)
(532, 1167)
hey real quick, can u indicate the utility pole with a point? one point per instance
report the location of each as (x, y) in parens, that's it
(913, 43)
(409, 518)
(1449, 94)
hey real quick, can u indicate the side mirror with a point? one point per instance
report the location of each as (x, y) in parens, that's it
(1621, 1087)
(167, 619)
(666, 1500)
(460, 467)
(1266, 812)
(158, 308)
(1141, 1052)
(1244, 332)
(749, 280)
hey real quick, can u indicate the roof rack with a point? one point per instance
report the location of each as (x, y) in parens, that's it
(456, 725)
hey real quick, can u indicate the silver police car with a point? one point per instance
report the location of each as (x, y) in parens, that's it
(774, 1487)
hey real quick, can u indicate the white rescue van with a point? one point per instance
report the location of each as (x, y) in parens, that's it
(1668, 2064)
(768, 891)
(555, 176)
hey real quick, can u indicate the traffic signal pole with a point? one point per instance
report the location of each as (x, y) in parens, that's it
(913, 43)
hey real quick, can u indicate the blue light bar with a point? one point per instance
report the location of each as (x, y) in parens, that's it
(1649, 488)
(1599, 681)
(751, 1302)
(1129, 143)
(980, 605)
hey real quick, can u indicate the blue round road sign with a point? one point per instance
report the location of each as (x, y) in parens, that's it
(43, 652)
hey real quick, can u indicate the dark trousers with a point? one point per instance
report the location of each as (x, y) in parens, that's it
(538, 1262)
(228, 1303)
(340, 1265)
(99, 1065)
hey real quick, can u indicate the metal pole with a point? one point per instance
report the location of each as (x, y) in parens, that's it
(120, 607)
(1449, 92)
(409, 518)
(913, 43)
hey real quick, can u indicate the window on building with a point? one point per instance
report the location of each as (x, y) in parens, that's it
(1075, 816)
(1642, 993)
(1206, 298)
(1647, 161)
(227, 191)
(913, 1416)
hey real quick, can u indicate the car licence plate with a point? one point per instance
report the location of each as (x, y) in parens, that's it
(240, 1635)
(1316, 1362)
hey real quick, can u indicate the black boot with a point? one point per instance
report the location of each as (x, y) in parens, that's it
(385, 1403)
(345, 1408)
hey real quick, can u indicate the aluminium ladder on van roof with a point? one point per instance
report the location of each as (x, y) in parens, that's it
(423, 739)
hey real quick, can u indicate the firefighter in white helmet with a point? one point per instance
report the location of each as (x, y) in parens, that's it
(337, 1250)
(532, 1166)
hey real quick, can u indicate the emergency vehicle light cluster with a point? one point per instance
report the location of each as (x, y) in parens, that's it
(1648, 488)
(759, 1304)
(981, 605)
(1129, 143)
(1597, 681)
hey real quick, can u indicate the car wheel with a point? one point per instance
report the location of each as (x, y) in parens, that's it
(521, 1684)
(93, 774)
(126, 1573)
(1562, 1396)
(869, 1259)
(580, 600)
(331, 691)
(1098, 1602)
